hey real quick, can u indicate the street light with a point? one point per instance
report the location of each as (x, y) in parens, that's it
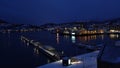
(66, 61)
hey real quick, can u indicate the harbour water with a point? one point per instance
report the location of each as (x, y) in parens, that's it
(17, 54)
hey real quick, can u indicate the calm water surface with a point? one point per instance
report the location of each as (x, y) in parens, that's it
(16, 54)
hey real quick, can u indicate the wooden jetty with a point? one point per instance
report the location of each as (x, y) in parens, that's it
(46, 49)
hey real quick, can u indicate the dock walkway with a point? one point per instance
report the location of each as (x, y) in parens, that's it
(43, 48)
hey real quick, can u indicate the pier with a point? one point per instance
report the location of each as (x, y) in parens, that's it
(46, 49)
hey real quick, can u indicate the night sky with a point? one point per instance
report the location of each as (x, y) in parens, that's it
(57, 11)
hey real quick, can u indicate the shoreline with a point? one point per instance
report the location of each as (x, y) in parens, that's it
(88, 34)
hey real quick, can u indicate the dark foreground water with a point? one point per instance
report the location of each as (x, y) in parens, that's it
(16, 54)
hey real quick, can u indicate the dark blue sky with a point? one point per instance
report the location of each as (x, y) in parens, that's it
(44, 11)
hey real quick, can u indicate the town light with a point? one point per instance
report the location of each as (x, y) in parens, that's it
(101, 31)
(112, 30)
(73, 33)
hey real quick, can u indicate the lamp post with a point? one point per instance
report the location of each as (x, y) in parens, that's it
(66, 61)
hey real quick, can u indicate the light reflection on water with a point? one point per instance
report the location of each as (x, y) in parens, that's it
(112, 36)
(73, 38)
(57, 38)
(83, 38)
(91, 37)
